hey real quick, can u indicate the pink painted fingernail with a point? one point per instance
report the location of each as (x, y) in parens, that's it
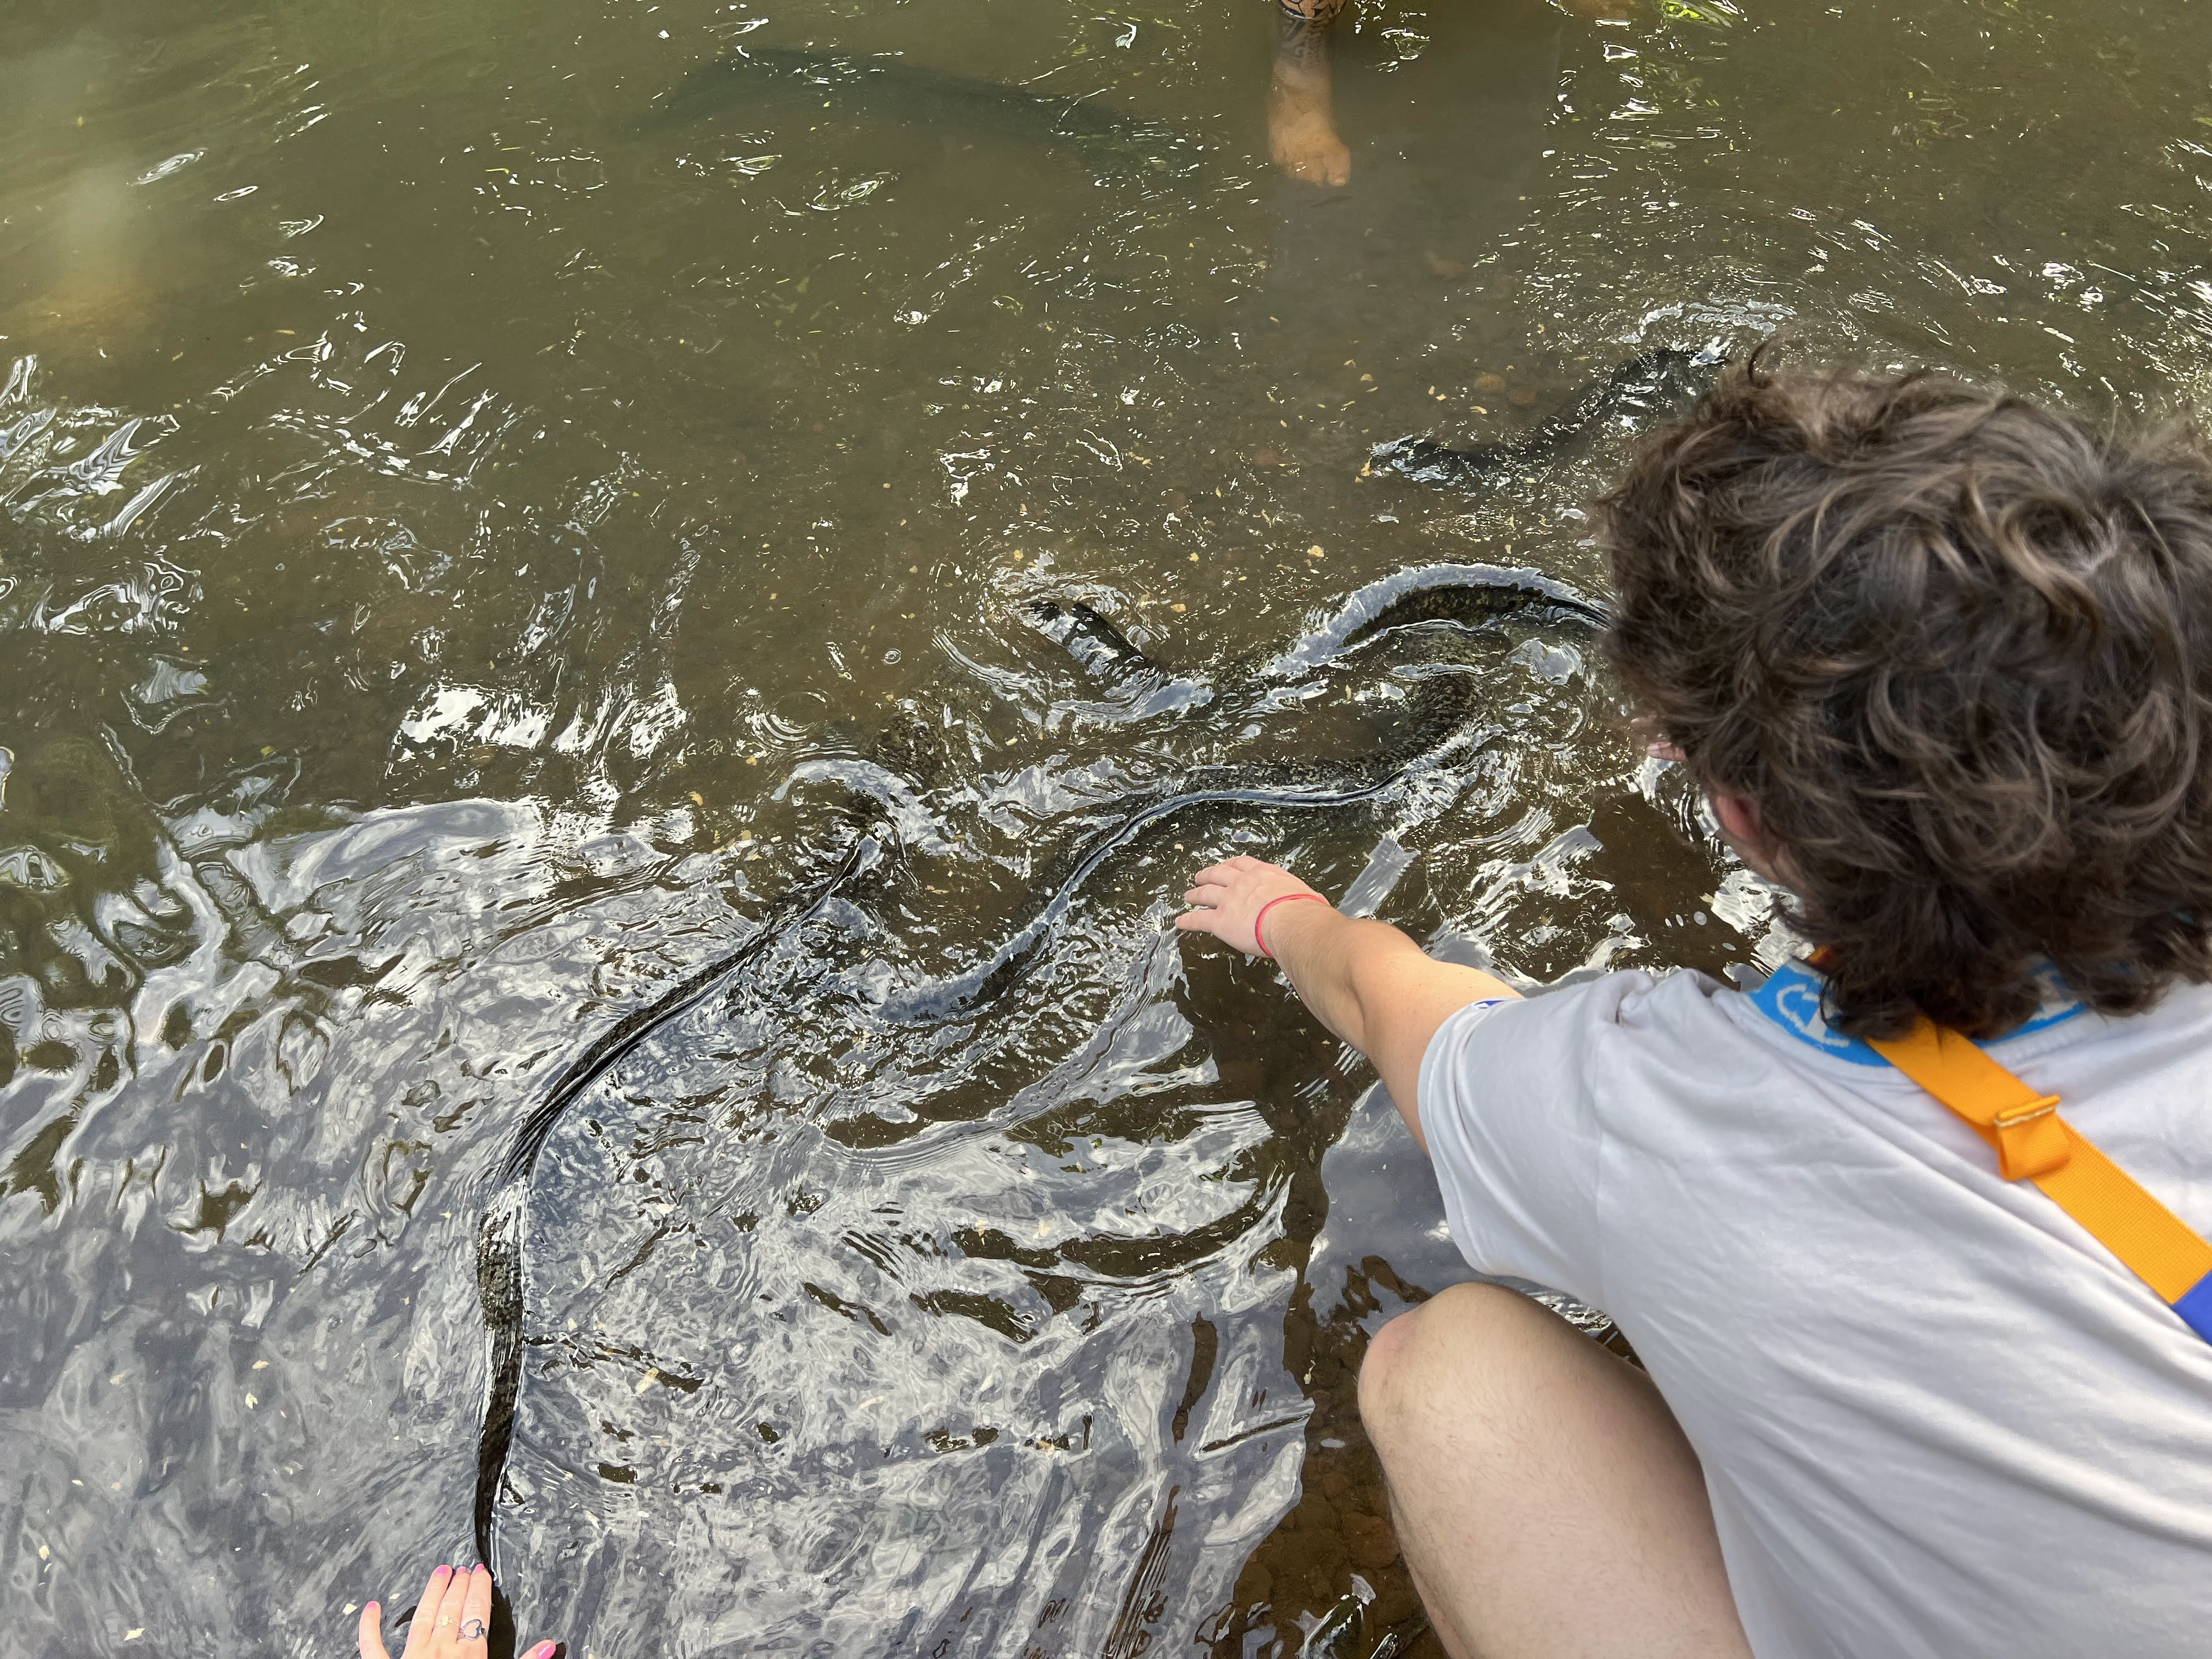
(542, 1650)
(441, 1570)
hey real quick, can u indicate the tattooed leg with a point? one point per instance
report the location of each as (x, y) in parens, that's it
(1301, 127)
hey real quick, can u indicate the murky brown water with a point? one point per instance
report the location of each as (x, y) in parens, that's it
(484, 520)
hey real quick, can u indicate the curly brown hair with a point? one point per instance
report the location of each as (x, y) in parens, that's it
(1959, 649)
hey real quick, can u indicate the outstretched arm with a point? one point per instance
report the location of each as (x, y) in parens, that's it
(1300, 124)
(1366, 981)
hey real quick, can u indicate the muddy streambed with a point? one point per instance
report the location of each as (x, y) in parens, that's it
(496, 514)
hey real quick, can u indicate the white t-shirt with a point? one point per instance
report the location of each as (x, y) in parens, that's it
(1936, 1417)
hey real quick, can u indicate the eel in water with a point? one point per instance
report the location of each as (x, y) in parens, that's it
(1489, 593)
(501, 1282)
(1473, 596)
(891, 89)
(1099, 650)
(1465, 596)
(1652, 384)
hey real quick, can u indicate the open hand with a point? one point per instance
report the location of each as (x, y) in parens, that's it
(451, 1621)
(1230, 896)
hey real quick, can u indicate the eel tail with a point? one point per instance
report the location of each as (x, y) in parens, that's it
(499, 1292)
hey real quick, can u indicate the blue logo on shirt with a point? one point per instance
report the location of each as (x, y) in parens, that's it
(1791, 999)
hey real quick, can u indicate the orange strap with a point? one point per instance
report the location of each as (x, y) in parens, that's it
(2033, 1143)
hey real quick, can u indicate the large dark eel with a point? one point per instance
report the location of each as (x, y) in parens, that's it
(912, 94)
(1652, 384)
(500, 1277)
(1473, 596)
(1491, 593)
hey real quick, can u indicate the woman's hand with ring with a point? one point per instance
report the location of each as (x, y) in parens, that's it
(451, 1621)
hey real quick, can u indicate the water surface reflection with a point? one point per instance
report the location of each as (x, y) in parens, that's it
(478, 531)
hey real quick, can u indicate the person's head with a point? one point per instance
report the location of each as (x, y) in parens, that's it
(1943, 660)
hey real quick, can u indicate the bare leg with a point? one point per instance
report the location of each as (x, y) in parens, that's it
(1301, 127)
(1546, 1500)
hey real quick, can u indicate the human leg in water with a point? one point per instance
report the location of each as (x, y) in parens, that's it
(1301, 132)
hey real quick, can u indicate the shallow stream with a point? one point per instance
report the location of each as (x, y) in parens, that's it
(498, 511)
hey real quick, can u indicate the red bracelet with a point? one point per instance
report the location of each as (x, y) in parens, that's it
(1280, 898)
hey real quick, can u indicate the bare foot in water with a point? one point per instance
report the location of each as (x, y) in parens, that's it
(1302, 130)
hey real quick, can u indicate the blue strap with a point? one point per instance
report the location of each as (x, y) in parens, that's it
(2195, 1308)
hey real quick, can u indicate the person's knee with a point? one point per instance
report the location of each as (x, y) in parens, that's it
(1432, 1353)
